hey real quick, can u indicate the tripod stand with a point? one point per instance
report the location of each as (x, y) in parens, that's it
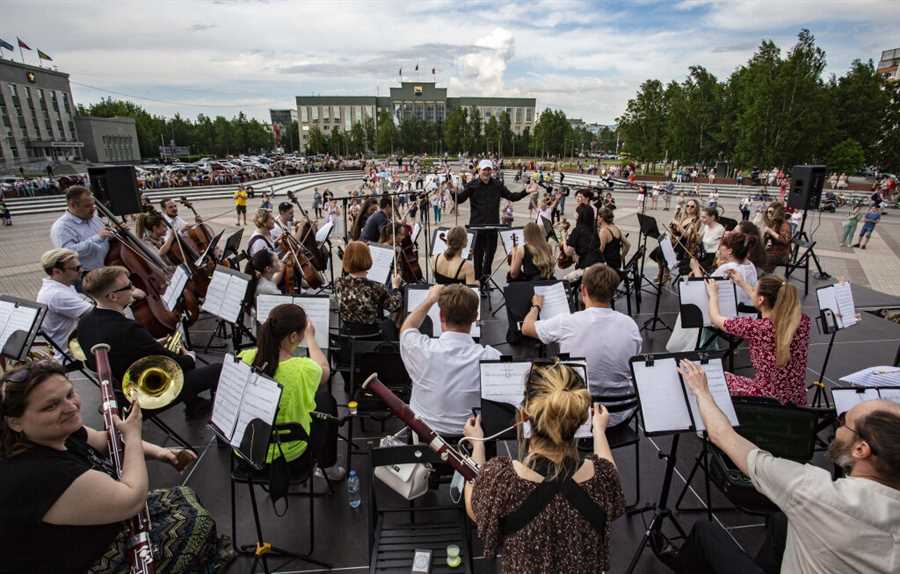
(828, 325)
(649, 228)
(488, 283)
(801, 260)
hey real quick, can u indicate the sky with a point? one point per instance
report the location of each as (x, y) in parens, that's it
(219, 57)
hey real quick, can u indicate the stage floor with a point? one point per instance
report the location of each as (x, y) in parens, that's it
(341, 532)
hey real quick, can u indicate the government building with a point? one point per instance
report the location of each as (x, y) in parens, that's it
(422, 100)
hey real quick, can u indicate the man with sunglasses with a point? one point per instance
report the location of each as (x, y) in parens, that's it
(64, 305)
(113, 292)
(832, 526)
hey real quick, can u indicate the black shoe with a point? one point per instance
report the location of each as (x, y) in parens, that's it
(198, 409)
(855, 245)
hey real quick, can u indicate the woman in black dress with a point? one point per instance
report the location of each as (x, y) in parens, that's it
(583, 241)
(534, 260)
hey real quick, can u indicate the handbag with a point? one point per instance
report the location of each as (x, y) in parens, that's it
(408, 480)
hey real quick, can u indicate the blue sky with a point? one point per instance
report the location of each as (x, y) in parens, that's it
(587, 58)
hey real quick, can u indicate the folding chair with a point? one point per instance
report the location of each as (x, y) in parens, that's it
(392, 544)
(243, 473)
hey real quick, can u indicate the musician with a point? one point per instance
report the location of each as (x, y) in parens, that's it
(81, 230)
(151, 228)
(304, 382)
(613, 244)
(485, 193)
(711, 232)
(366, 210)
(445, 372)
(776, 234)
(584, 241)
(170, 212)
(262, 237)
(284, 220)
(571, 533)
(450, 267)
(64, 304)
(757, 253)
(61, 511)
(374, 224)
(533, 260)
(779, 341)
(734, 254)
(266, 269)
(111, 289)
(361, 301)
(606, 338)
(828, 526)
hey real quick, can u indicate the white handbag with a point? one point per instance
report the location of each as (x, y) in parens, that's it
(408, 480)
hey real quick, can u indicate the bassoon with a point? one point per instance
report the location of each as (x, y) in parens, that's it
(140, 551)
(460, 462)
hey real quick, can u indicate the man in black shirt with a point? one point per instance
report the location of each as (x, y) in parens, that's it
(129, 341)
(372, 229)
(486, 193)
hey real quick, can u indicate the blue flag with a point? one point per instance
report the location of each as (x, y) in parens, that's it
(5, 45)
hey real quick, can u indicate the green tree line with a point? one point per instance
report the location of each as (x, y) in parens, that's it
(207, 136)
(775, 110)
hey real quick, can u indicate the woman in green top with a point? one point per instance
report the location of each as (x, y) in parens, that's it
(302, 379)
(849, 227)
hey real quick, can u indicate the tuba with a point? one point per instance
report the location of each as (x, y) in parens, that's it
(155, 381)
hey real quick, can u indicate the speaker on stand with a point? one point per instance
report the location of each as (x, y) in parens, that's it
(807, 182)
(116, 187)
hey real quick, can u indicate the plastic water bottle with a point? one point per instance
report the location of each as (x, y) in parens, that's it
(353, 490)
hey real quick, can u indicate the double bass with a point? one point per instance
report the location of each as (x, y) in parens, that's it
(148, 273)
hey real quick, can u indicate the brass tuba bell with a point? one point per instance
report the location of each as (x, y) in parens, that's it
(153, 381)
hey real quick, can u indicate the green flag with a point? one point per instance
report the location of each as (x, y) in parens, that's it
(44, 56)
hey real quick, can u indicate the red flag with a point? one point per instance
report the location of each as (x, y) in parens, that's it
(22, 44)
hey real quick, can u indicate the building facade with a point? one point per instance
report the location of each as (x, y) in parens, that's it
(37, 116)
(282, 120)
(889, 65)
(422, 100)
(109, 140)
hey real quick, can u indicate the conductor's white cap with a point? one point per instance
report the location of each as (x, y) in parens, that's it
(485, 164)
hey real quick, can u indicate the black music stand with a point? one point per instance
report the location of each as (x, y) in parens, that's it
(233, 247)
(649, 228)
(828, 325)
(18, 342)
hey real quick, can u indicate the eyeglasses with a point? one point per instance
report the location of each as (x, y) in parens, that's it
(128, 287)
(842, 422)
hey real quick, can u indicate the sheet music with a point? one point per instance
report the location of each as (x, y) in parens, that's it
(318, 310)
(555, 300)
(874, 377)
(890, 394)
(668, 252)
(846, 399)
(715, 376)
(695, 293)
(324, 231)
(225, 295)
(265, 303)
(663, 407)
(382, 262)
(438, 245)
(215, 293)
(506, 236)
(416, 296)
(838, 298)
(14, 319)
(175, 287)
(504, 382)
(260, 401)
(232, 381)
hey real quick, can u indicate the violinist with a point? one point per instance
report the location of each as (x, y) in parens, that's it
(152, 230)
(379, 219)
(685, 230)
(284, 220)
(170, 212)
(362, 301)
(534, 260)
(266, 270)
(81, 230)
(262, 237)
(584, 241)
(449, 266)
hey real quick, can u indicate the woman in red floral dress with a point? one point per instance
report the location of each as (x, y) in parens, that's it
(779, 342)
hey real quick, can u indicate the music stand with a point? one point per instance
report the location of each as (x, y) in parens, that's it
(649, 228)
(22, 325)
(233, 246)
(211, 248)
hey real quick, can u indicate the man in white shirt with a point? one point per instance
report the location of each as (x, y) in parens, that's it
(445, 372)
(64, 305)
(605, 338)
(833, 526)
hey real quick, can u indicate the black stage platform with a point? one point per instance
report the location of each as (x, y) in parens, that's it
(341, 532)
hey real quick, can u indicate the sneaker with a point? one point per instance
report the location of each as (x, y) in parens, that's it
(335, 473)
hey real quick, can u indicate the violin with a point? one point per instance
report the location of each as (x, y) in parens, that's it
(564, 260)
(515, 240)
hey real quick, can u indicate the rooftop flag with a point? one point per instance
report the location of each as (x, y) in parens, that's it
(6, 45)
(22, 44)
(44, 56)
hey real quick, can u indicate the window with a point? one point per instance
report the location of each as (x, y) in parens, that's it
(304, 113)
(519, 115)
(314, 111)
(41, 99)
(529, 114)
(348, 121)
(326, 112)
(66, 104)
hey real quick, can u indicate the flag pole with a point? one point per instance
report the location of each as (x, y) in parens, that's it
(21, 54)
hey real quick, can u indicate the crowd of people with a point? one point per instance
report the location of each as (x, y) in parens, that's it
(569, 520)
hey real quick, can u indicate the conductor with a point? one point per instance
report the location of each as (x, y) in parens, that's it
(485, 193)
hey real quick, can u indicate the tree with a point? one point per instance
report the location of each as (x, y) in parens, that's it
(492, 134)
(369, 126)
(642, 126)
(317, 143)
(386, 134)
(847, 156)
(506, 133)
(859, 102)
(475, 140)
(357, 138)
(455, 130)
(888, 146)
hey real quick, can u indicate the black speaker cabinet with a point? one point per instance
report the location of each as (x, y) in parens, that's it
(116, 187)
(807, 182)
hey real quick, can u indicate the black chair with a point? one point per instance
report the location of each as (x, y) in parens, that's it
(392, 543)
(244, 473)
(622, 435)
(341, 347)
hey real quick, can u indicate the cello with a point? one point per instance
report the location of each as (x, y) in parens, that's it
(317, 255)
(148, 273)
(200, 234)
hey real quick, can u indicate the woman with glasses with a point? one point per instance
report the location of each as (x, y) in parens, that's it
(778, 341)
(685, 230)
(556, 404)
(61, 510)
(776, 234)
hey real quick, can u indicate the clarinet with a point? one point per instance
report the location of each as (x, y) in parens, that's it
(460, 462)
(140, 552)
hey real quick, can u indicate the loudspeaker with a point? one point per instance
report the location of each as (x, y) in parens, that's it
(116, 187)
(807, 182)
